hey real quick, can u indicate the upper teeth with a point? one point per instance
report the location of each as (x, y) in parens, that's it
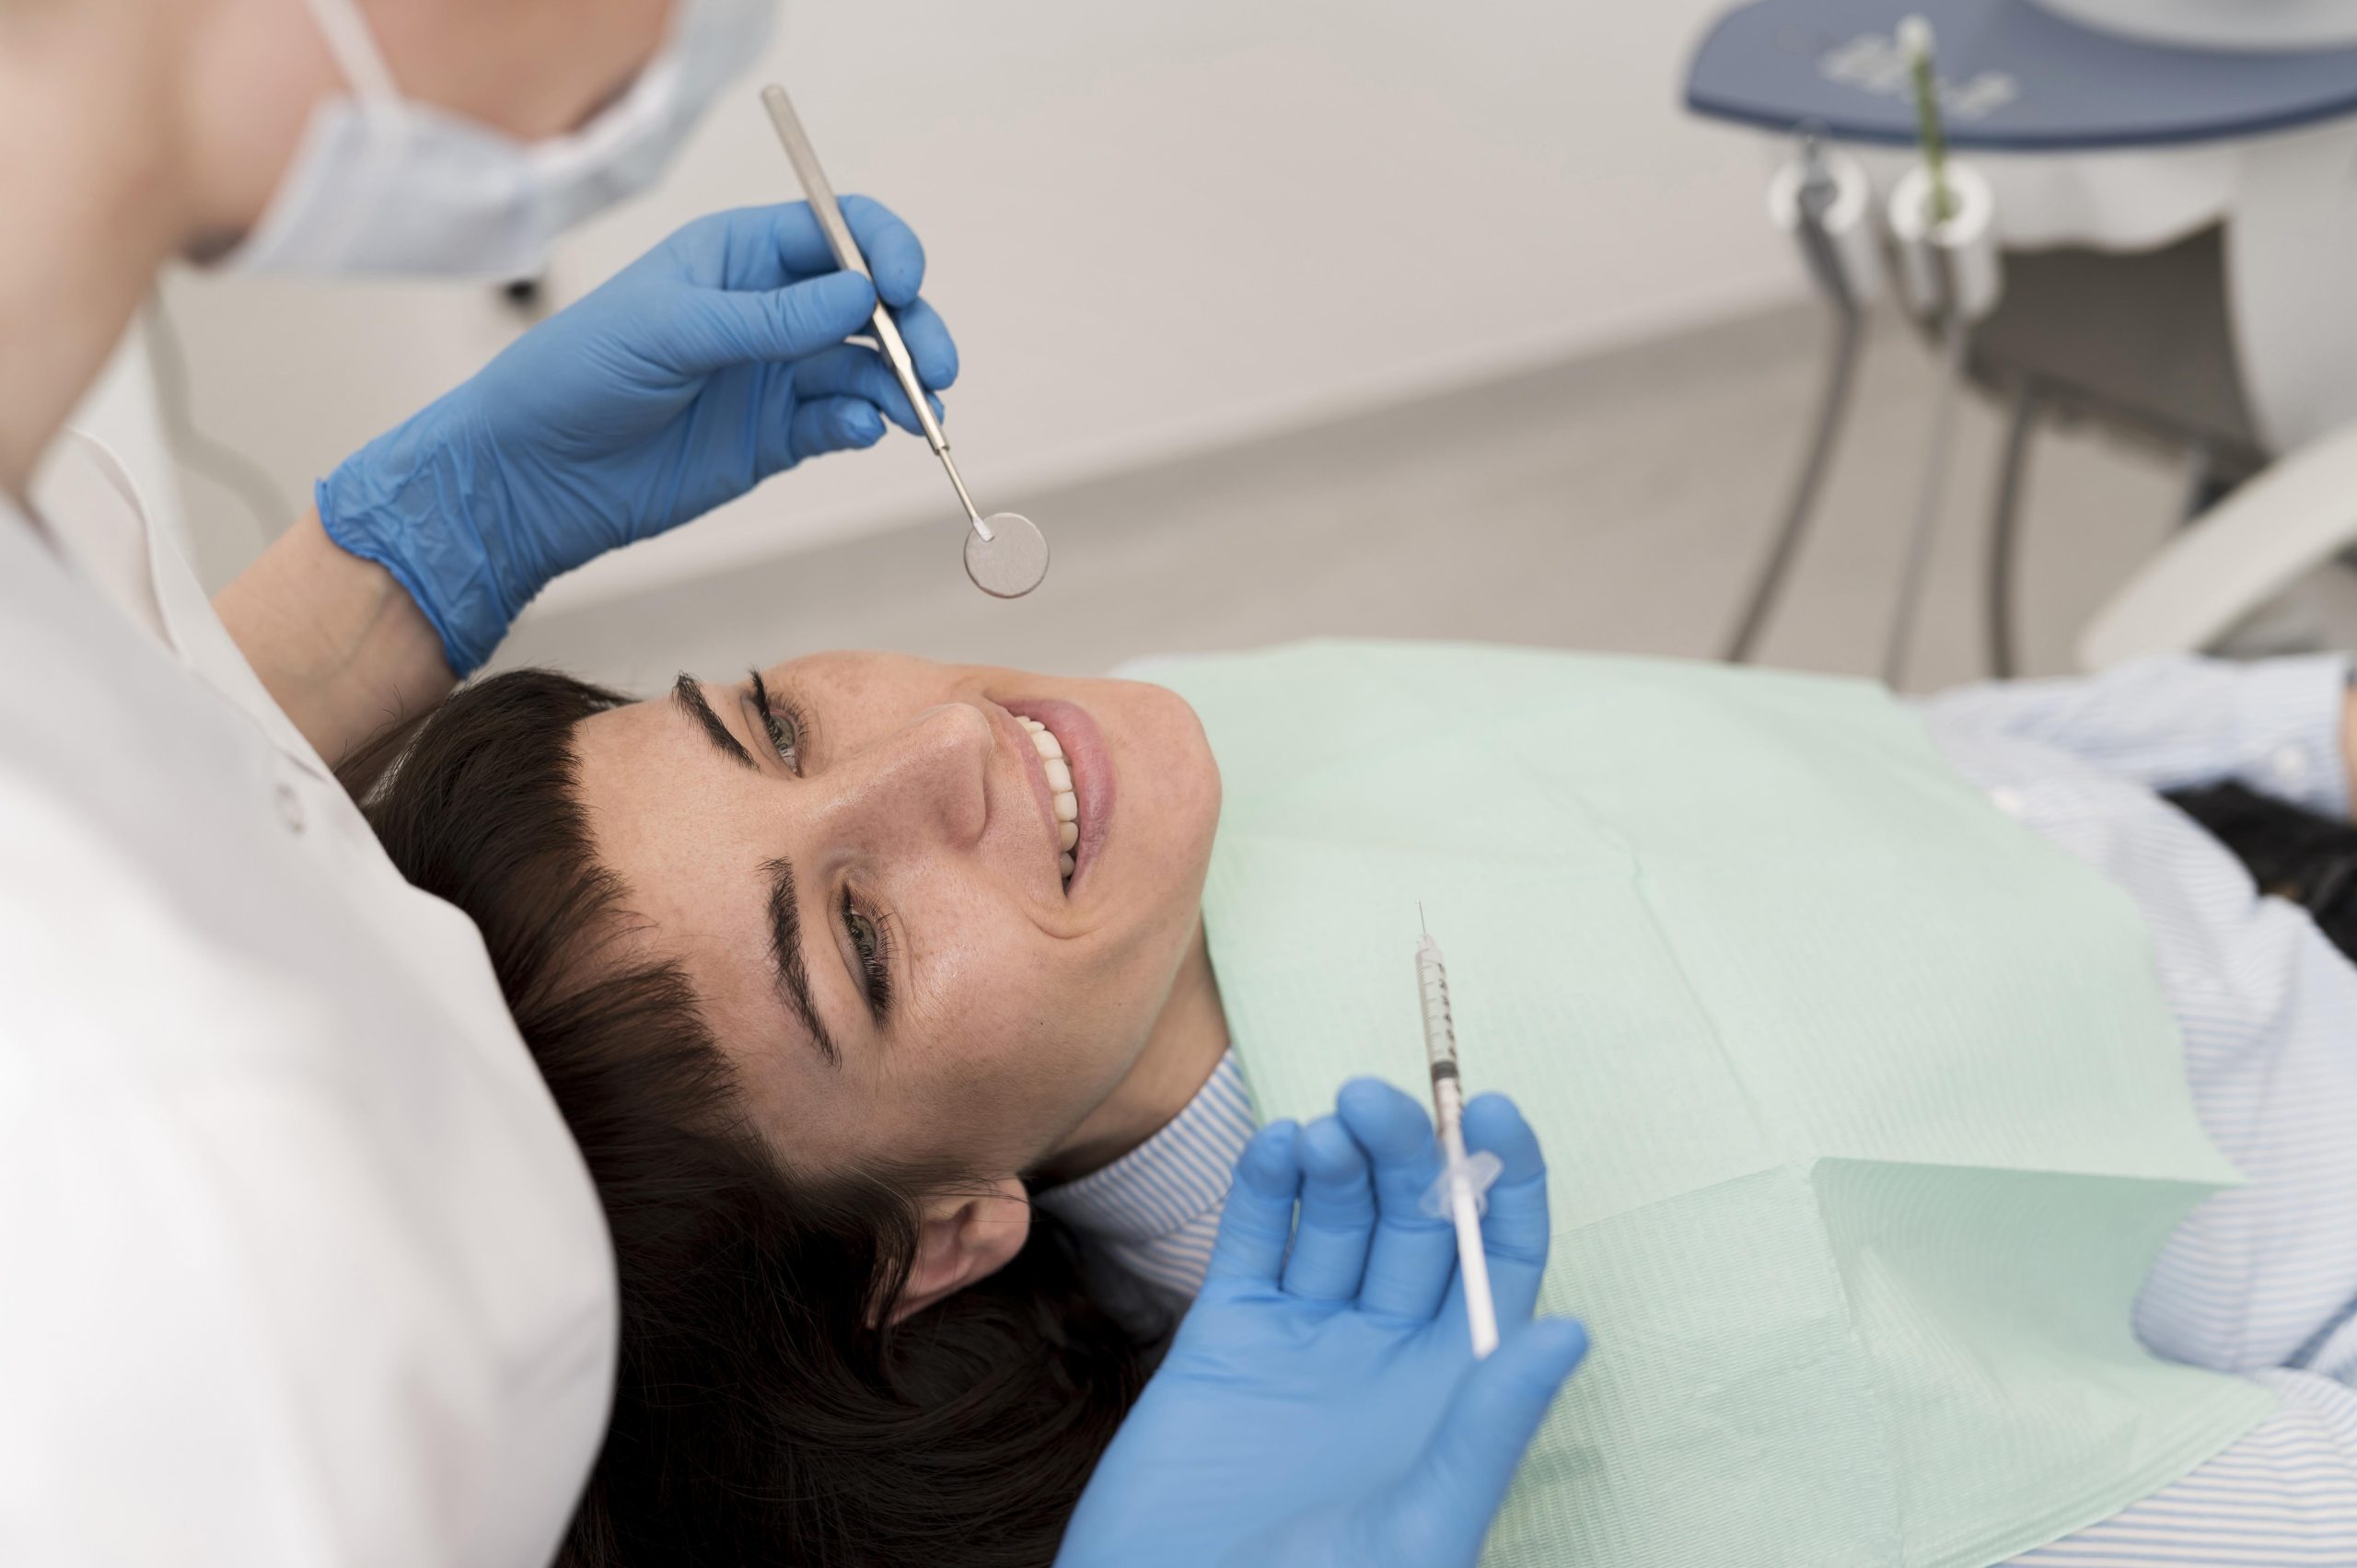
(1059, 790)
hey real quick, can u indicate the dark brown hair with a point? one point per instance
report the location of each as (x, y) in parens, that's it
(760, 1417)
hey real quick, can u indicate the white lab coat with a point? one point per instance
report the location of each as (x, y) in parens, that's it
(297, 1263)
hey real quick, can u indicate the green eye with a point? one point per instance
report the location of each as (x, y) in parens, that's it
(782, 720)
(868, 943)
(785, 736)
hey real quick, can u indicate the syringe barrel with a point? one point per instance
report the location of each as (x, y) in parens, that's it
(1440, 1036)
(1440, 1028)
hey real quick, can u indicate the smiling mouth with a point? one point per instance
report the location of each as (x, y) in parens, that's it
(1063, 799)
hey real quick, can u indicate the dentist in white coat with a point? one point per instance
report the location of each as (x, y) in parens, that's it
(297, 1263)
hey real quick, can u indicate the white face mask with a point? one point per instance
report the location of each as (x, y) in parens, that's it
(385, 186)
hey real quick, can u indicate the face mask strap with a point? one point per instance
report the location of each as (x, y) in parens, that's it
(355, 47)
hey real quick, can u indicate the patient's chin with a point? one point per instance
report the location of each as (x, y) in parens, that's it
(1197, 767)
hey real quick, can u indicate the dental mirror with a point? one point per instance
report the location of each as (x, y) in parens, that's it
(1006, 555)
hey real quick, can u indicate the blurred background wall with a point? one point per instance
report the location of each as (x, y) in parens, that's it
(1157, 227)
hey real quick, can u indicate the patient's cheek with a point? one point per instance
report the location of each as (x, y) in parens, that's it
(1003, 1093)
(982, 1057)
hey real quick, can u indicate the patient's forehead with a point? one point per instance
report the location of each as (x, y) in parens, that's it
(681, 829)
(620, 754)
(864, 672)
(665, 812)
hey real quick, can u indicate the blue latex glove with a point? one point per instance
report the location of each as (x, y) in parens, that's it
(1320, 1406)
(712, 363)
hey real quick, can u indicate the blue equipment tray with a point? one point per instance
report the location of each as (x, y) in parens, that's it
(2014, 77)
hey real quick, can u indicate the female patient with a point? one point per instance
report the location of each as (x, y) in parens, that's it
(836, 968)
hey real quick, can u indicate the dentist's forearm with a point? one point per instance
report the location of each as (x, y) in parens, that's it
(339, 644)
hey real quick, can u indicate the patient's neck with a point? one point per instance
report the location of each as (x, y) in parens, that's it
(1186, 1046)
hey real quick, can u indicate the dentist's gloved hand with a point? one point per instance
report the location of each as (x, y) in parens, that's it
(712, 363)
(1320, 1407)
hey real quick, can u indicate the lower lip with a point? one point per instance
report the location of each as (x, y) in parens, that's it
(1092, 773)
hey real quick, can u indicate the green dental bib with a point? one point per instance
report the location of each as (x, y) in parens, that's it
(1864, 1113)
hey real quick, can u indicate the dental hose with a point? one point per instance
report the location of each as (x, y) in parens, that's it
(1943, 225)
(1812, 207)
(1832, 407)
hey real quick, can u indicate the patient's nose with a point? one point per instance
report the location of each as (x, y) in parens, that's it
(925, 780)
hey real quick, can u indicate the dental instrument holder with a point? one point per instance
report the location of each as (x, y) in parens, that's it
(1006, 555)
(1947, 267)
(1952, 276)
(1943, 224)
(1826, 202)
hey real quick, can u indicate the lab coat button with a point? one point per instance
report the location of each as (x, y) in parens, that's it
(290, 807)
(2008, 801)
(2290, 764)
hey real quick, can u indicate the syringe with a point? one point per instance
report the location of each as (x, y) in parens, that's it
(1463, 1179)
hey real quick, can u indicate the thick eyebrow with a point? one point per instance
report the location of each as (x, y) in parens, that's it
(792, 977)
(688, 692)
(786, 958)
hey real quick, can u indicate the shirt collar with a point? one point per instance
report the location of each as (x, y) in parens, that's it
(1172, 1179)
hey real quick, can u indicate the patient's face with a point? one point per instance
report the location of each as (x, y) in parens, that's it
(864, 878)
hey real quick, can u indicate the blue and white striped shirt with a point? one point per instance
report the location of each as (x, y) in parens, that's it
(2261, 1280)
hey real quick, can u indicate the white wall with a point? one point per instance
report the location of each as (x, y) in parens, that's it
(1153, 225)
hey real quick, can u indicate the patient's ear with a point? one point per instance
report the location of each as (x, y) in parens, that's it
(965, 1236)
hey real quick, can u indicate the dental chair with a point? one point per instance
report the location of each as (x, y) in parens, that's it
(2297, 515)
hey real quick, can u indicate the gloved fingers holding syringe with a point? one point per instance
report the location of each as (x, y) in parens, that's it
(1410, 1249)
(1515, 1225)
(1369, 1230)
(1329, 1346)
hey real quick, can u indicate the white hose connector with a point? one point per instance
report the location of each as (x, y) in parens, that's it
(1962, 250)
(1852, 244)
